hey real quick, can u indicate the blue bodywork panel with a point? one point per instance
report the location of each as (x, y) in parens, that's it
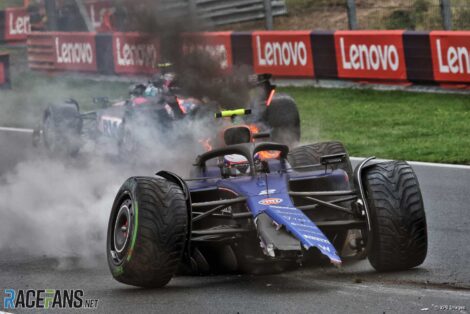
(269, 193)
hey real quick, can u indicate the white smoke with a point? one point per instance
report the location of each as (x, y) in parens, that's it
(60, 207)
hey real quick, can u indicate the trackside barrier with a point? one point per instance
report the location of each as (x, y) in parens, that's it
(4, 70)
(14, 25)
(397, 57)
(62, 52)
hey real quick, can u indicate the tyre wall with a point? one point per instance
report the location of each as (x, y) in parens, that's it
(391, 57)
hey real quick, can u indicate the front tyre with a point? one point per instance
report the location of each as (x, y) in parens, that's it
(398, 222)
(147, 232)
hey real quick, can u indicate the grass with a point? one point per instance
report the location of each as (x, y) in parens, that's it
(395, 125)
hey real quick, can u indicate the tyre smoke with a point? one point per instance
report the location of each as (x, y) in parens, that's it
(59, 207)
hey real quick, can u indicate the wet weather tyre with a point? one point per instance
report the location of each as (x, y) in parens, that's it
(311, 154)
(283, 117)
(147, 232)
(398, 221)
(62, 128)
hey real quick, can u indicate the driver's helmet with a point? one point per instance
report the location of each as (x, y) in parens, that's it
(151, 91)
(238, 164)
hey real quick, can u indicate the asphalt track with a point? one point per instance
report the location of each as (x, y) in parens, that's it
(441, 284)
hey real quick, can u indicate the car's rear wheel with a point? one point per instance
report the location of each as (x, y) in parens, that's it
(309, 155)
(398, 220)
(283, 117)
(62, 127)
(307, 158)
(147, 232)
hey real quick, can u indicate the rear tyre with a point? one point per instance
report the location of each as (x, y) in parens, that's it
(283, 117)
(310, 155)
(398, 220)
(147, 232)
(62, 127)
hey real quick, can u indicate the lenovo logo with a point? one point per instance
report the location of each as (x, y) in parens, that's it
(281, 53)
(74, 52)
(369, 57)
(215, 51)
(143, 55)
(18, 24)
(97, 14)
(453, 59)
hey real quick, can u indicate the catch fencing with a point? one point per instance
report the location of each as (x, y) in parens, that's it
(397, 57)
(384, 15)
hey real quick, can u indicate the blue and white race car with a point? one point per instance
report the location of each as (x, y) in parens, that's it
(258, 207)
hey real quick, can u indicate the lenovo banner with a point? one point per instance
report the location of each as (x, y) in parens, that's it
(283, 53)
(370, 55)
(17, 25)
(99, 13)
(218, 45)
(75, 51)
(135, 53)
(451, 56)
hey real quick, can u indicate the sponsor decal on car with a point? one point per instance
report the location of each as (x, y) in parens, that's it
(451, 56)
(270, 201)
(266, 192)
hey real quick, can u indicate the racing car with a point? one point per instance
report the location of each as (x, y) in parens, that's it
(152, 112)
(259, 207)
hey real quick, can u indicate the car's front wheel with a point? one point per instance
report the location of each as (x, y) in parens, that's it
(147, 232)
(398, 220)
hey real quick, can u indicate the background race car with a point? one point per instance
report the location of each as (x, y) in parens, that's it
(160, 111)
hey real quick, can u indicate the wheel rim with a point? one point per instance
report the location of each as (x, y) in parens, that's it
(122, 231)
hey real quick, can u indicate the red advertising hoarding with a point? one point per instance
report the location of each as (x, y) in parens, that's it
(451, 56)
(370, 55)
(99, 13)
(217, 44)
(283, 53)
(17, 24)
(75, 51)
(2, 74)
(135, 53)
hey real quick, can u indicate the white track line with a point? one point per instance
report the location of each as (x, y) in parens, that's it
(420, 163)
(18, 130)
(415, 163)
